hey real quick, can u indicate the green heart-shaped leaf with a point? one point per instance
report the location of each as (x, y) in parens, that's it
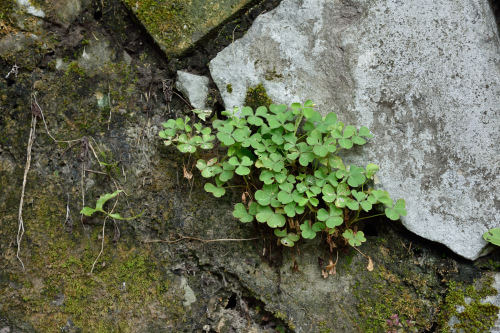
(354, 240)
(241, 213)
(492, 236)
(216, 191)
(307, 231)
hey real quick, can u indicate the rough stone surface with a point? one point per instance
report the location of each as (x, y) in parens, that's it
(177, 25)
(194, 88)
(422, 75)
(139, 284)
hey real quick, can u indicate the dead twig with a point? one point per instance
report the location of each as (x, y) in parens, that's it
(20, 230)
(198, 239)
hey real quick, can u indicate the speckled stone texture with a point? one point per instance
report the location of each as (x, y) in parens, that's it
(422, 75)
(194, 88)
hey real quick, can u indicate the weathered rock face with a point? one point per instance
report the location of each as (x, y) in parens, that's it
(423, 76)
(93, 89)
(177, 25)
(194, 88)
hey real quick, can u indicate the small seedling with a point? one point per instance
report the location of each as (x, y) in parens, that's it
(99, 207)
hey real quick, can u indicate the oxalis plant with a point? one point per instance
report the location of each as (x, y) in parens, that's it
(287, 163)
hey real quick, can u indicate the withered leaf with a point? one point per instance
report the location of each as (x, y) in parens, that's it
(370, 264)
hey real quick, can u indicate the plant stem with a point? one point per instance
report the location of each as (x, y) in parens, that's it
(297, 122)
(368, 217)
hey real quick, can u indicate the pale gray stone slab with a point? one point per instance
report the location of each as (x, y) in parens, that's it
(424, 76)
(194, 88)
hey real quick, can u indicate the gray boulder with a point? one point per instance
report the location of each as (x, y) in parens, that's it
(422, 75)
(194, 88)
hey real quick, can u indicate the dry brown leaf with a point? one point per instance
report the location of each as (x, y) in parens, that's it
(330, 267)
(187, 174)
(370, 264)
(325, 274)
(244, 197)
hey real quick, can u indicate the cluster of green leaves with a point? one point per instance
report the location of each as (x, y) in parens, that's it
(290, 156)
(188, 139)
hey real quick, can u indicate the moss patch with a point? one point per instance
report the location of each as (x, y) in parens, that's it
(476, 317)
(257, 96)
(126, 286)
(176, 25)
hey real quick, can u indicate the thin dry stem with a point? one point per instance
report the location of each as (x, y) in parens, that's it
(20, 230)
(199, 239)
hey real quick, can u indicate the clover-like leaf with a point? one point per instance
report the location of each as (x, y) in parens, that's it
(277, 109)
(241, 213)
(355, 175)
(343, 193)
(242, 166)
(398, 209)
(274, 162)
(216, 191)
(492, 236)
(307, 231)
(285, 195)
(266, 145)
(208, 169)
(268, 195)
(360, 197)
(333, 217)
(242, 134)
(344, 140)
(227, 172)
(255, 119)
(381, 196)
(318, 226)
(186, 148)
(267, 214)
(169, 124)
(269, 177)
(329, 193)
(225, 134)
(354, 239)
(306, 153)
(280, 233)
(290, 239)
(364, 131)
(292, 209)
(323, 177)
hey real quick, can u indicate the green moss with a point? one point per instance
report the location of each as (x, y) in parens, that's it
(75, 68)
(271, 75)
(229, 88)
(257, 96)
(126, 284)
(164, 20)
(476, 317)
(6, 9)
(383, 295)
